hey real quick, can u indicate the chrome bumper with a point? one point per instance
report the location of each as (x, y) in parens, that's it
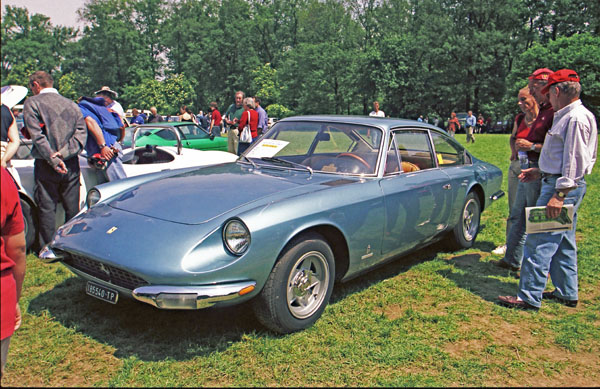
(47, 255)
(497, 195)
(191, 297)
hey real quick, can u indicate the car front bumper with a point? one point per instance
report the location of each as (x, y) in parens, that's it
(166, 296)
(191, 297)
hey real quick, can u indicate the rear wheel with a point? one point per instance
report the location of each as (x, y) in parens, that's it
(464, 233)
(299, 286)
(30, 220)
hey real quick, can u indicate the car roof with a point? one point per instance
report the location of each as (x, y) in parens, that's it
(386, 123)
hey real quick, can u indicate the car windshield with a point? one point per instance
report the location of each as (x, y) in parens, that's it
(326, 147)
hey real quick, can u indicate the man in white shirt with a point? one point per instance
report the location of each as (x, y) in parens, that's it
(376, 111)
(568, 154)
(113, 105)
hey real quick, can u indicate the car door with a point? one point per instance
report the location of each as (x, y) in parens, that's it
(453, 161)
(199, 139)
(417, 194)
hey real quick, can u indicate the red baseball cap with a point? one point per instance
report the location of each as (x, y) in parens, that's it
(541, 74)
(561, 75)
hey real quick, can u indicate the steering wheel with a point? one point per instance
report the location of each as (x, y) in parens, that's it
(358, 158)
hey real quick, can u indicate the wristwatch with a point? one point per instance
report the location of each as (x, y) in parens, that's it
(560, 195)
(103, 145)
(532, 148)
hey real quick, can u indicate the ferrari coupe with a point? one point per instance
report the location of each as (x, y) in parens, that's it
(317, 199)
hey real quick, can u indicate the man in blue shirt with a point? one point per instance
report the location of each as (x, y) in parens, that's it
(470, 124)
(102, 146)
(263, 118)
(137, 117)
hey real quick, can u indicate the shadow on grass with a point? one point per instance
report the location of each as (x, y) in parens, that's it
(140, 330)
(480, 277)
(150, 334)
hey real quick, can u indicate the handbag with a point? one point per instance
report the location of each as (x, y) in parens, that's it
(246, 135)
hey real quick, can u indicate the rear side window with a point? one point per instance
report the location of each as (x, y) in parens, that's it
(447, 152)
(413, 148)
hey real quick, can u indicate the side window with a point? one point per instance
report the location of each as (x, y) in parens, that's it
(414, 150)
(447, 152)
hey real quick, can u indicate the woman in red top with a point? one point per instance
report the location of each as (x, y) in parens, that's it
(453, 124)
(523, 120)
(12, 260)
(521, 128)
(248, 116)
(215, 119)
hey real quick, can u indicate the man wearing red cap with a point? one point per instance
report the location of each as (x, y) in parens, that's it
(528, 192)
(569, 153)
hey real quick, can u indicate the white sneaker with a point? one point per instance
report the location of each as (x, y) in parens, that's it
(500, 250)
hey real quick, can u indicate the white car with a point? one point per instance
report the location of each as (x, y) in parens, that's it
(136, 161)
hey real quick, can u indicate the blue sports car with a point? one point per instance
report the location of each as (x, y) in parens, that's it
(317, 199)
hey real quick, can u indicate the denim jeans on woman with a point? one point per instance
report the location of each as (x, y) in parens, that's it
(552, 252)
(527, 196)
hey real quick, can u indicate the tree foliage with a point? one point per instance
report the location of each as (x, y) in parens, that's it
(417, 57)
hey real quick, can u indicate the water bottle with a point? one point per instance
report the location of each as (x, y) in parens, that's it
(523, 160)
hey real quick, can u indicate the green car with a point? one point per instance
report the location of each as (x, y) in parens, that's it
(192, 136)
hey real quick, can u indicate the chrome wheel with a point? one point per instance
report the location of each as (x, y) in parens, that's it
(299, 286)
(470, 219)
(307, 284)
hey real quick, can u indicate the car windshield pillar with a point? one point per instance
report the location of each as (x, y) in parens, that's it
(169, 128)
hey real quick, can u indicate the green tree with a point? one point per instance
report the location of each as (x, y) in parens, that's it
(114, 50)
(265, 84)
(30, 43)
(579, 52)
(166, 95)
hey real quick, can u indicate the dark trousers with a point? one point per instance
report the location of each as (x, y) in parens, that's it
(51, 188)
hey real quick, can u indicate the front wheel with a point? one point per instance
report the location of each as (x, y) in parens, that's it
(464, 233)
(299, 286)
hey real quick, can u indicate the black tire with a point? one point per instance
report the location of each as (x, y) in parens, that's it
(299, 286)
(31, 227)
(464, 233)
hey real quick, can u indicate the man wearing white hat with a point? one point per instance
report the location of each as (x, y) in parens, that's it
(110, 96)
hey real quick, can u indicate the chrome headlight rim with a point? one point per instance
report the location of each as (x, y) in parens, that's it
(93, 197)
(236, 229)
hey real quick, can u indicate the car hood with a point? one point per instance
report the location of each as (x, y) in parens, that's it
(197, 196)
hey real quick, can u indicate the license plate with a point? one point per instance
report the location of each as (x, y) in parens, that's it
(101, 292)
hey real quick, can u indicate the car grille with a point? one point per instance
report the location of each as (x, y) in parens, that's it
(104, 272)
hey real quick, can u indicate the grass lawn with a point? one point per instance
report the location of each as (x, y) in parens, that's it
(427, 319)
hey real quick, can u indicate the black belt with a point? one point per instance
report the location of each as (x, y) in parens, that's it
(546, 175)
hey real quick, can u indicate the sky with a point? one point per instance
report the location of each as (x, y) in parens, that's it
(61, 12)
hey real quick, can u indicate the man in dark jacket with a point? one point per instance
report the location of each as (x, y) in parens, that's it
(58, 132)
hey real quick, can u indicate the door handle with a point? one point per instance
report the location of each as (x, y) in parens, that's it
(447, 186)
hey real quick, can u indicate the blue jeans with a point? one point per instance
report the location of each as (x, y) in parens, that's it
(513, 183)
(552, 252)
(526, 196)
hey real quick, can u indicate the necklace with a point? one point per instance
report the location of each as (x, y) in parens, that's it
(529, 121)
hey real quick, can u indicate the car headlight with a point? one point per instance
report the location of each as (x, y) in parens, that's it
(93, 197)
(236, 237)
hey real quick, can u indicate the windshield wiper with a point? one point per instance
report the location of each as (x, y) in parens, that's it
(288, 163)
(251, 161)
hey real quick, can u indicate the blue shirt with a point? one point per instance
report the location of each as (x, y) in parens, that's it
(471, 121)
(263, 118)
(139, 119)
(108, 122)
